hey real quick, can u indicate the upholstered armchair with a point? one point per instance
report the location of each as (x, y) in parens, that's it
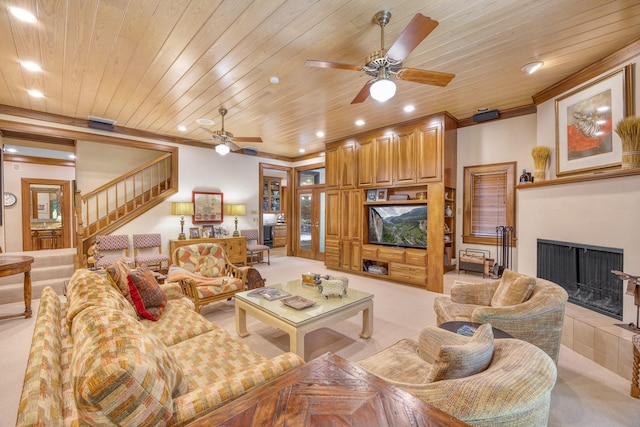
(479, 380)
(205, 273)
(530, 309)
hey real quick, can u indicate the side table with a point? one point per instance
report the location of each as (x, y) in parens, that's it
(455, 325)
(10, 265)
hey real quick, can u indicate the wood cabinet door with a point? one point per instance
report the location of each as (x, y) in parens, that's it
(347, 161)
(429, 153)
(405, 158)
(332, 215)
(365, 163)
(383, 160)
(331, 168)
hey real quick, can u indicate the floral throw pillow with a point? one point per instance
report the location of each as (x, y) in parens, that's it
(148, 298)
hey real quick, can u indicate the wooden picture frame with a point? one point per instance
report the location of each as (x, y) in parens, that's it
(194, 233)
(381, 195)
(207, 207)
(585, 123)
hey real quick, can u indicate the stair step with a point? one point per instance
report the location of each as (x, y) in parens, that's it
(50, 268)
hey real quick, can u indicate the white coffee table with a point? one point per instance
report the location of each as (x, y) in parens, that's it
(297, 323)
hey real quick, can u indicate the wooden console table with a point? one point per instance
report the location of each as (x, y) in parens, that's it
(330, 391)
(10, 265)
(234, 247)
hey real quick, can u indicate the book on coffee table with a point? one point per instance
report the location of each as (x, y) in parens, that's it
(269, 293)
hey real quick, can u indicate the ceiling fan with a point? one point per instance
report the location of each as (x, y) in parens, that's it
(383, 63)
(226, 139)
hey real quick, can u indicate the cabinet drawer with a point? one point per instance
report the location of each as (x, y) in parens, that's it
(280, 231)
(391, 254)
(414, 257)
(407, 273)
(369, 252)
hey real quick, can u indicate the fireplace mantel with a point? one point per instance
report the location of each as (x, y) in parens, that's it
(620, 173)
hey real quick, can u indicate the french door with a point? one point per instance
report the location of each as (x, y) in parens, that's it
(310, 220)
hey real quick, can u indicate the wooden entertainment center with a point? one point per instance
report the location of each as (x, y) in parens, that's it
(415, 159)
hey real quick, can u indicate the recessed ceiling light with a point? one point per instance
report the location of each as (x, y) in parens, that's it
(22, 14)
(302, 150)
(409, 108)
(532, 67)
(359, 122)
(206, 122)
(320, 134)
(72, 156)
(274, 79)
(182, 128)
(35, 93)
(31, 66)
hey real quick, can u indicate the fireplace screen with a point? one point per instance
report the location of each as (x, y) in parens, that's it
(584, 271)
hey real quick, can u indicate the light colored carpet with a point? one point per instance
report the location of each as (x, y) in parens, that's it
(586, 394)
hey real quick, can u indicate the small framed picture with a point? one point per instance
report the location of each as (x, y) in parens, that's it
(371, 195)
(207, 231)
(194, 233)
(218, 232)
(382, 195)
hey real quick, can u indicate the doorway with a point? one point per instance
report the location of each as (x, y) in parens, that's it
(46, 214)
(310, 205)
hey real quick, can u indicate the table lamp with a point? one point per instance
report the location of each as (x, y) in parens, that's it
(235, 209)
(182, 209)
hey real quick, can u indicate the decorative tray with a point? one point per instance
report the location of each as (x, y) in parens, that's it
(298, 302)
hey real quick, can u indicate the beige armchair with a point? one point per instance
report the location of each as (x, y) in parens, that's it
(205, 273)
(513, 390)
(537, 319)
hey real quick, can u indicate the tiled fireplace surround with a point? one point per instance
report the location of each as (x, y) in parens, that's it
(593, 335)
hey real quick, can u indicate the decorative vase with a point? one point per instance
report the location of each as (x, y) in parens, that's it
(540, 156)
(448, 211)
(629, 131)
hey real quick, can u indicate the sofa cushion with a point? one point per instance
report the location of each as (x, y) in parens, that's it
(148, 298)
(514, 289)
(121, 374)
(117, 273)
(178, 323)
(460, 361)
(92, 288)
(206, 260)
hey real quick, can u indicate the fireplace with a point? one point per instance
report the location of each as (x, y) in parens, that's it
(584, 271)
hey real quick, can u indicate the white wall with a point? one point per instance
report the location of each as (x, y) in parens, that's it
(493, 142)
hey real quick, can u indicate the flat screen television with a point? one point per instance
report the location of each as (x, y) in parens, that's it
(398, 225)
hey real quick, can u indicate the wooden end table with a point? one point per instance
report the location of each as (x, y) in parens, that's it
(10, 265)
(328, 390)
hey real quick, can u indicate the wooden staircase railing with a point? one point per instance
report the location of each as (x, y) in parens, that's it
(123, 199)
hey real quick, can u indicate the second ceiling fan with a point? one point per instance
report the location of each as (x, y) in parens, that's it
(382, 64)
(226, 139)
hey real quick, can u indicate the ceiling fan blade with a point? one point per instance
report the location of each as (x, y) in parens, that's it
(247, 139)
(425, 77)
(417, 30)
(207, 129)
(363, 94)
(233, 146)
(327, 64)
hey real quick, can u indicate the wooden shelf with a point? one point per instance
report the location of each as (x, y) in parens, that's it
(595, 176)
(398, 202)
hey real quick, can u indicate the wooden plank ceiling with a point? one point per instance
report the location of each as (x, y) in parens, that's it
(156, 64)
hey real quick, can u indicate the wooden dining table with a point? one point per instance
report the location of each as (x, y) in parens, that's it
(16, 264)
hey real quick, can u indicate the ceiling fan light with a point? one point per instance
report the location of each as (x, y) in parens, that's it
(222, 149)
(382, 90)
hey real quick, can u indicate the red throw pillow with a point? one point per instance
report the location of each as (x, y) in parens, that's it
(148, 298)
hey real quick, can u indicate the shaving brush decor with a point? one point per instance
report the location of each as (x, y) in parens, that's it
(540, 157)
(629, 131)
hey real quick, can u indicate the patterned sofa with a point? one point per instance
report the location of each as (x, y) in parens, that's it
(93, 361)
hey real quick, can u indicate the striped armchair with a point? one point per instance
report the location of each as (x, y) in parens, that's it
(205, 273)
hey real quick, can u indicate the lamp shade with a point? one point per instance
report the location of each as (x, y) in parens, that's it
(181, 208)
(235, 209)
